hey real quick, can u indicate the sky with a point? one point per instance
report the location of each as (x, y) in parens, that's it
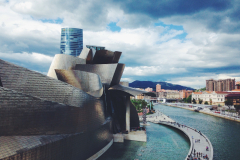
(176, 41)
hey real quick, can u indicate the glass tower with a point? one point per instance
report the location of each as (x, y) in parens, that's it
(71, 41)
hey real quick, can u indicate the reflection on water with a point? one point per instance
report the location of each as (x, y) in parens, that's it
(223, 134)
(164, 143)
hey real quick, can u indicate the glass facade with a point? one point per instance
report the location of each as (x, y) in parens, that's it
(97, 48)
(71, 41)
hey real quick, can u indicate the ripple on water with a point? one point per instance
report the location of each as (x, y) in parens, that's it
(223, 134)
(163, 143)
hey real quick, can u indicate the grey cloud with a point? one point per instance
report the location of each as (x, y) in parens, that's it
(165, 8)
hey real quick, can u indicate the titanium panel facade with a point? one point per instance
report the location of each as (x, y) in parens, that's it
(110, 74)
(105, 71)
(78, 146)
(0, 82)
(106, 57)
(88, 55)
(63, 61)
(38, 85)
(84, 53)
(71, 41)
(127, 91)
(23, 114)
(118, 74)
(86, 81)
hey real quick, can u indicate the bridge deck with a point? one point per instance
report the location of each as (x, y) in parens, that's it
(198, 146)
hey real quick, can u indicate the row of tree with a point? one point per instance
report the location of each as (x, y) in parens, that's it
(200, 101)
(140, 104)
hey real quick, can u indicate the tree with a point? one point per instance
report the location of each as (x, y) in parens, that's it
(228, 103)
(206, 102)
(137, 103)
(194, 101)
(237, 107)
(200, 101)
(184, 100)
(210, 101)
(144, 104)
(188, 100)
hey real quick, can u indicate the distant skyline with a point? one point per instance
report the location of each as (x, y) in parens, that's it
(180, 42)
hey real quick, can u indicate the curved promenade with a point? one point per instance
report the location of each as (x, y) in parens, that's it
(198, 140)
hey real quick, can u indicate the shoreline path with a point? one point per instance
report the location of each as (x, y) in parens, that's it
(199, 142)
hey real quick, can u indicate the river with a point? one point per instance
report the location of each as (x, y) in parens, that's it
(223, 134)
(166, 143)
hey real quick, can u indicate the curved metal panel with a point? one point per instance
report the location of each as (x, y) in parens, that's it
(97, 93)
(110, 73)
(86, 81)
(63, 61)
(134, 119)
(105, 71)
(78, 146)
(0, 82)
(38, 85)
(106, 57)
(118, 74)
(123, 90)
(84, 53)
(23, 114)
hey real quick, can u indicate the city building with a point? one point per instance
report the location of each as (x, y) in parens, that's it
(237, 85)
(235, 98)
(97, 48)
(185, 93)
(71, 41)
(158, 88)
(148, 89)
(169, 94)
(220, 85)
(213, 98)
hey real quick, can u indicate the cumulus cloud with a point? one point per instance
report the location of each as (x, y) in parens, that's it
(207, 44)
(200, 81)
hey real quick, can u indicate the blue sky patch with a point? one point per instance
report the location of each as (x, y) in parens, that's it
(170, 26)
(57, 21)
(113, 27)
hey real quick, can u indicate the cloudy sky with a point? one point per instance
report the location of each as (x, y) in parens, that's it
(177, 41)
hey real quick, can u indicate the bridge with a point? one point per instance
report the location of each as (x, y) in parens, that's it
(158, 100)
(198, 141)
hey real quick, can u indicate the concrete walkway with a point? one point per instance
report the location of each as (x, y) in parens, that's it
(193, 135)
(156, 117)
(205, 111)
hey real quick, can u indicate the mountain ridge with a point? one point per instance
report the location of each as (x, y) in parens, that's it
(164, 85)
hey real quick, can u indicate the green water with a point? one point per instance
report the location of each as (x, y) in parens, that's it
(163, 143)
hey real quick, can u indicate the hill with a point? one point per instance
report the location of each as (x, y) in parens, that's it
(164, 85)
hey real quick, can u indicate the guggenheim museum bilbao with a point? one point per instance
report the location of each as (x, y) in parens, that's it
(69, 114)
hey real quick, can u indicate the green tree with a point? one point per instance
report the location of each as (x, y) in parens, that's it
(188, 100)
(137, 103)
(200, 101)
(144, 104)
(228, 103)
(194, 101)
(206, 102)
(237, 107)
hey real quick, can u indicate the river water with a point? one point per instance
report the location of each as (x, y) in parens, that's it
(166, 143)
(223, 134)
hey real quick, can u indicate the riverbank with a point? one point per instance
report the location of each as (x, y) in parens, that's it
(206, 112)
(198, 141)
